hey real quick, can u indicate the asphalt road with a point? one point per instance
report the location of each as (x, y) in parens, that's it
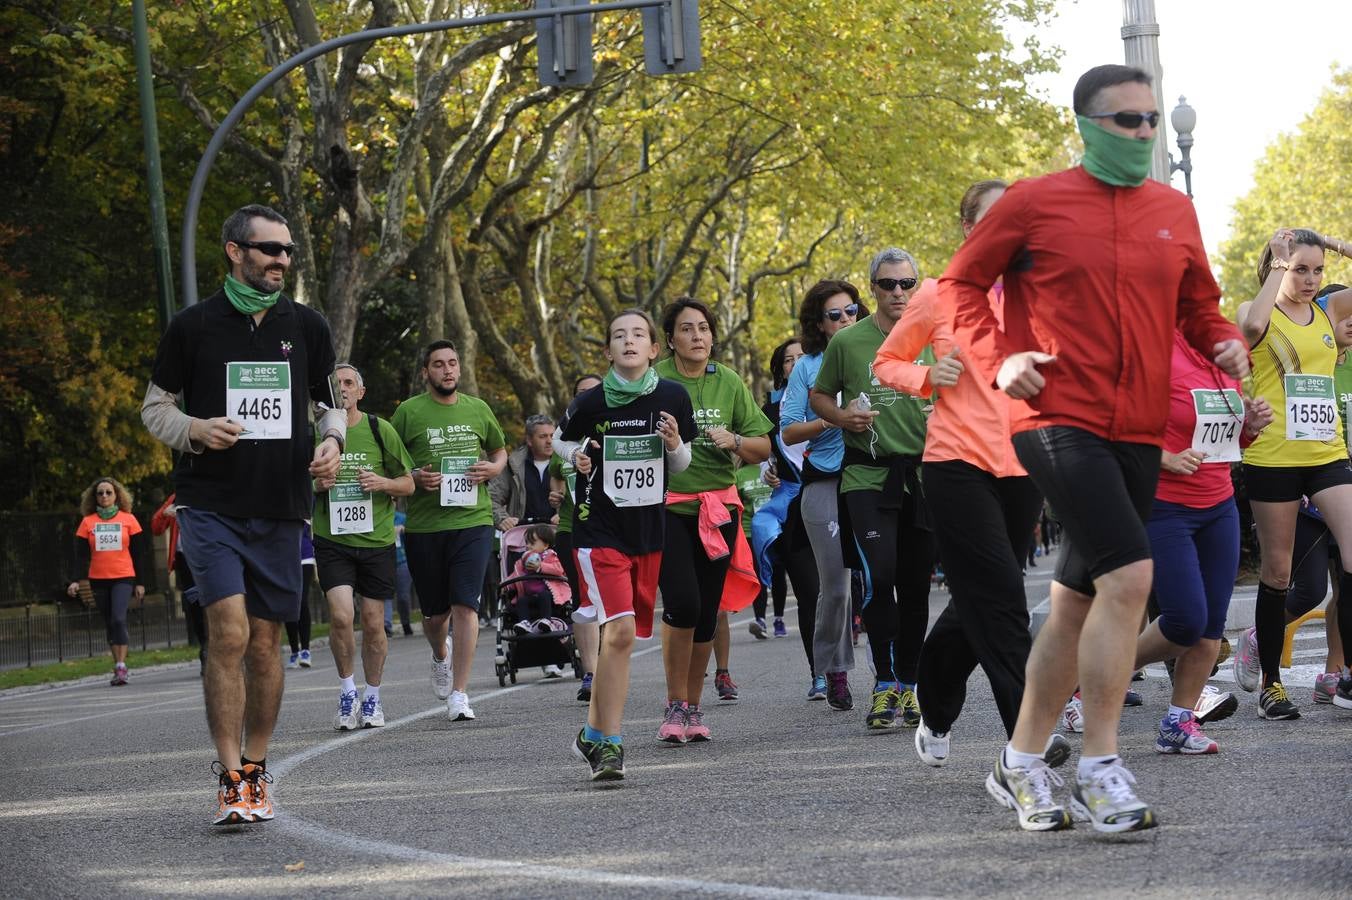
(107, 793)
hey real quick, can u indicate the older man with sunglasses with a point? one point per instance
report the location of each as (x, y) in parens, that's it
(1100, 266)
(245, 363)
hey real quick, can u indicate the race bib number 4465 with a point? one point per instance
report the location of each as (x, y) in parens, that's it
(1311, 412)
(258, 396)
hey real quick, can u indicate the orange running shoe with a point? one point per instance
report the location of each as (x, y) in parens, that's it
(232, 806)
(256, 783)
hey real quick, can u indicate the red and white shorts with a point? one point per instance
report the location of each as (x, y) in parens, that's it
(615, 584)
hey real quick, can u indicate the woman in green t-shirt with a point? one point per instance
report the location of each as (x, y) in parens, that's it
(702, 536)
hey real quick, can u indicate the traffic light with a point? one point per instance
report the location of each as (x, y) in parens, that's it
(671, 40)
(564, 44)
(671, 37)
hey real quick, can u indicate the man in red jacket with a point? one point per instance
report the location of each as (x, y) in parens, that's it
(1099, 266)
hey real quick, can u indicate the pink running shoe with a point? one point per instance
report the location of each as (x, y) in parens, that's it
(1325, 686)
(674, 722)
(695, 729)
(1247, 668)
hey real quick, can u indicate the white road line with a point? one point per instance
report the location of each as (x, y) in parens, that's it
(114, 712)
(467, 865)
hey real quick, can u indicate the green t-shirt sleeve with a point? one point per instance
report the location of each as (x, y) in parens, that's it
(494, 439)
(397, 461)
(749, 419)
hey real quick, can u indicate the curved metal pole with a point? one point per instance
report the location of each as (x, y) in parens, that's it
(188, 249)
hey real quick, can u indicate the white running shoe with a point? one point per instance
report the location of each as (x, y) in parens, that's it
(1072, 717)
(1248, 669)
(552, 671)
(441, 674)
(346, 719)
(457, 707)
(930, 747)
(1029, 793)
(1213, 705)
(372, 713)
(1107, 800)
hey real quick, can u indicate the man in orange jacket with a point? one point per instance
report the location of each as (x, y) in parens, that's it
(1099, 266)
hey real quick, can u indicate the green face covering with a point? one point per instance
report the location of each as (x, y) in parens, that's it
(107, 512)
(246, 299)
(1113, 158)
(619, 392)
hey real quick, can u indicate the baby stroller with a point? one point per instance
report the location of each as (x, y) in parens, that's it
(518, 649)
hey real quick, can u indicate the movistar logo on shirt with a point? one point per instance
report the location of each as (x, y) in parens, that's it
(603, 427)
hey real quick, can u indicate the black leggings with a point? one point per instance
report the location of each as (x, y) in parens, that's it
(113, 596)
(779, 586)
(298, 632)
(898, 557)
(801, 571)
(981, 522)
(691, 583)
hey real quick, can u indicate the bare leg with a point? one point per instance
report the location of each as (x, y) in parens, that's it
(1192, 670)
(373, 642)
(722, 641)
(223, 684)
(1153, 646)
(263, 685)
(588, 637)
(1052, 671)
(611, 686)
(435, 628)
(464, 638)
(699, 661)
(1108, 650)
(676, 652)
(342, 642)
(119, 653)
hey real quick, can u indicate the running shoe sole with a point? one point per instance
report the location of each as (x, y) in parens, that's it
(1341, 702)
(1223, 710)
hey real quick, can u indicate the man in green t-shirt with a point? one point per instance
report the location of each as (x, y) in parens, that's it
(458, 446)
(354, 548)
(881, 498)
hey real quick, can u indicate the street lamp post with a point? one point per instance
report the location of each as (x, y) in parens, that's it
(1184, 120)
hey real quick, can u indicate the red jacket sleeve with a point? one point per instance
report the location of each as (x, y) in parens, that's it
(1199, 313)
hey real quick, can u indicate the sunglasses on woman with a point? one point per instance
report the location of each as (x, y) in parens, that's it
(835, 315)
(1131, 119)
(891, 284)
(269, 248)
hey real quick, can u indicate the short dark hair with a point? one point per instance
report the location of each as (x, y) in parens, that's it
(583, 377)
(682, 303)
(1096, 79)
(546, 533)
(1327, 289)
(433, 347)
(237, 227)
(810, 312)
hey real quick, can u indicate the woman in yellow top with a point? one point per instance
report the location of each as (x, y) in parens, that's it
(1302, 453)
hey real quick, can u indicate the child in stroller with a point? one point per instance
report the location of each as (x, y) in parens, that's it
(535, 628)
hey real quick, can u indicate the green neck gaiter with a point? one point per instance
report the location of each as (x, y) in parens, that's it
(106, 512)
(246, 299)
(620, 392)
(1113, 158)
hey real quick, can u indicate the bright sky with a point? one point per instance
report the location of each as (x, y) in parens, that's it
(1251, 68)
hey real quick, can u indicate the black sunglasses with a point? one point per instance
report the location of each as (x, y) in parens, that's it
(835, 315)
(891, 284)
(1131, 119)
(269, 248)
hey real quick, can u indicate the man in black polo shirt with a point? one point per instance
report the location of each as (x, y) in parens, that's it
(245, 362)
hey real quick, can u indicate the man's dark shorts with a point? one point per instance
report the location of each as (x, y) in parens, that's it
(448, 566)
(1100, 490)
(367, 570)
(259, 558)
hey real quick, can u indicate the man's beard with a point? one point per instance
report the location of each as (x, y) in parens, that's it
(256, 278)
(445, 391)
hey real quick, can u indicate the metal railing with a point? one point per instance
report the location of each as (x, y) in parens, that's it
(49, 633)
